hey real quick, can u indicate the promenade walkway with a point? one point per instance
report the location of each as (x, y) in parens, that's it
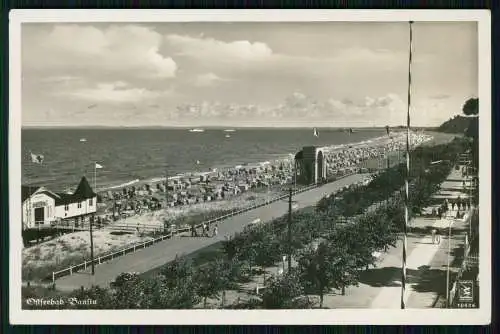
(163, 252)
(380, 287)
(426, 262)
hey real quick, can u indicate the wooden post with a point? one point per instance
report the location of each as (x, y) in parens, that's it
(290, 229)
(92, 244)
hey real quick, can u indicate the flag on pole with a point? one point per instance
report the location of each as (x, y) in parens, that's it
(197, 162)
(97, 166)
(315, 133)
(37, 158)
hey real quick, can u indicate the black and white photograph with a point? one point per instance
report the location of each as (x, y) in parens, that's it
(325, 164)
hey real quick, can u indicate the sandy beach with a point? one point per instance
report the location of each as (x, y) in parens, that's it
(263, 181)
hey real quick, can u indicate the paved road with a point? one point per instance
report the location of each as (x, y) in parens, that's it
(423, 255)
(380, 287)
(166, 251)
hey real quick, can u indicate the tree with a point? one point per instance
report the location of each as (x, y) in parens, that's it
(128, 291)
(281, 292)
(268, 251)
(230, 248)
(211, 279)
(379, 229)
(329, 266)
(359, 238)
(471, 107)
(176, 284)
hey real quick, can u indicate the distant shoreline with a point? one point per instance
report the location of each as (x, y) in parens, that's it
(103, 127)
(111, 183)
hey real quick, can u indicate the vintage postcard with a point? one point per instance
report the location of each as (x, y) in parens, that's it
(250, 167)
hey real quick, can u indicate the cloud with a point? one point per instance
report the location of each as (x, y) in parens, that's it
(301, 107)
(212, 49)
(115, 92)
(129, 49)
(440, 96)
(64, 79)
(207, 79)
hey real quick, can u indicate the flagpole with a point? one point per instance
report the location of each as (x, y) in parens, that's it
(407, 218)
(91, 221)
(28, 204)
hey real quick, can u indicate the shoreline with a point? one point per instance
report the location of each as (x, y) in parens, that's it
(282, 158)
(234, 201)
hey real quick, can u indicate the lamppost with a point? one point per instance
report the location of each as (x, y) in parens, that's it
(448, 265)
(290, 229)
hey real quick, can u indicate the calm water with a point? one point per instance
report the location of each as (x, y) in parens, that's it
(129, 154)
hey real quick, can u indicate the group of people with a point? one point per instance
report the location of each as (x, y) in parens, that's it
(353, 156)
(459, 203)
(205, 230)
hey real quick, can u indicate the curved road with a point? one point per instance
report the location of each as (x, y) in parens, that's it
(165, 251)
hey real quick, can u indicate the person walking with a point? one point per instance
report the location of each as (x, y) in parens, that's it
(433, 235)
(215, 231)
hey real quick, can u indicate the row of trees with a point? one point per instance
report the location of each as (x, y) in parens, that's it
(329, 249)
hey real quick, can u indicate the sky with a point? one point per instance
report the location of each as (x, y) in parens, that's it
(273, 74)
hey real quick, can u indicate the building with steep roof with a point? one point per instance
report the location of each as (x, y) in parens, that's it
(43, 207)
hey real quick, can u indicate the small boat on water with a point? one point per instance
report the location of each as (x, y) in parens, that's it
(228, 136)
(196, 130)
(229, 130)
(83, 140)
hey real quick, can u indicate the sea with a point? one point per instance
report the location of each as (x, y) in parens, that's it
(130, 154)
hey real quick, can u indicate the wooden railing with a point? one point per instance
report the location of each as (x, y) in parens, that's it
(130, 249)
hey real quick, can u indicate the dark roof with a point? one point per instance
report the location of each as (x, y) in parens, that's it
(84, 190)
(65, 198)
(299, 155)
(27, 191)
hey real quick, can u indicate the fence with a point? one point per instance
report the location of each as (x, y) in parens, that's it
(130, 249)
(469, 259)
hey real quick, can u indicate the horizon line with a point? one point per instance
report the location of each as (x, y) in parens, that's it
(212, 127)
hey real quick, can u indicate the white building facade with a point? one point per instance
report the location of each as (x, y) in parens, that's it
(42, 207)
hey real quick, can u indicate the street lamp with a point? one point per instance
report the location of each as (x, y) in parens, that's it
(448, 266)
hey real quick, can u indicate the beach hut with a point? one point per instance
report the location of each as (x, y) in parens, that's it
(243, 187)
